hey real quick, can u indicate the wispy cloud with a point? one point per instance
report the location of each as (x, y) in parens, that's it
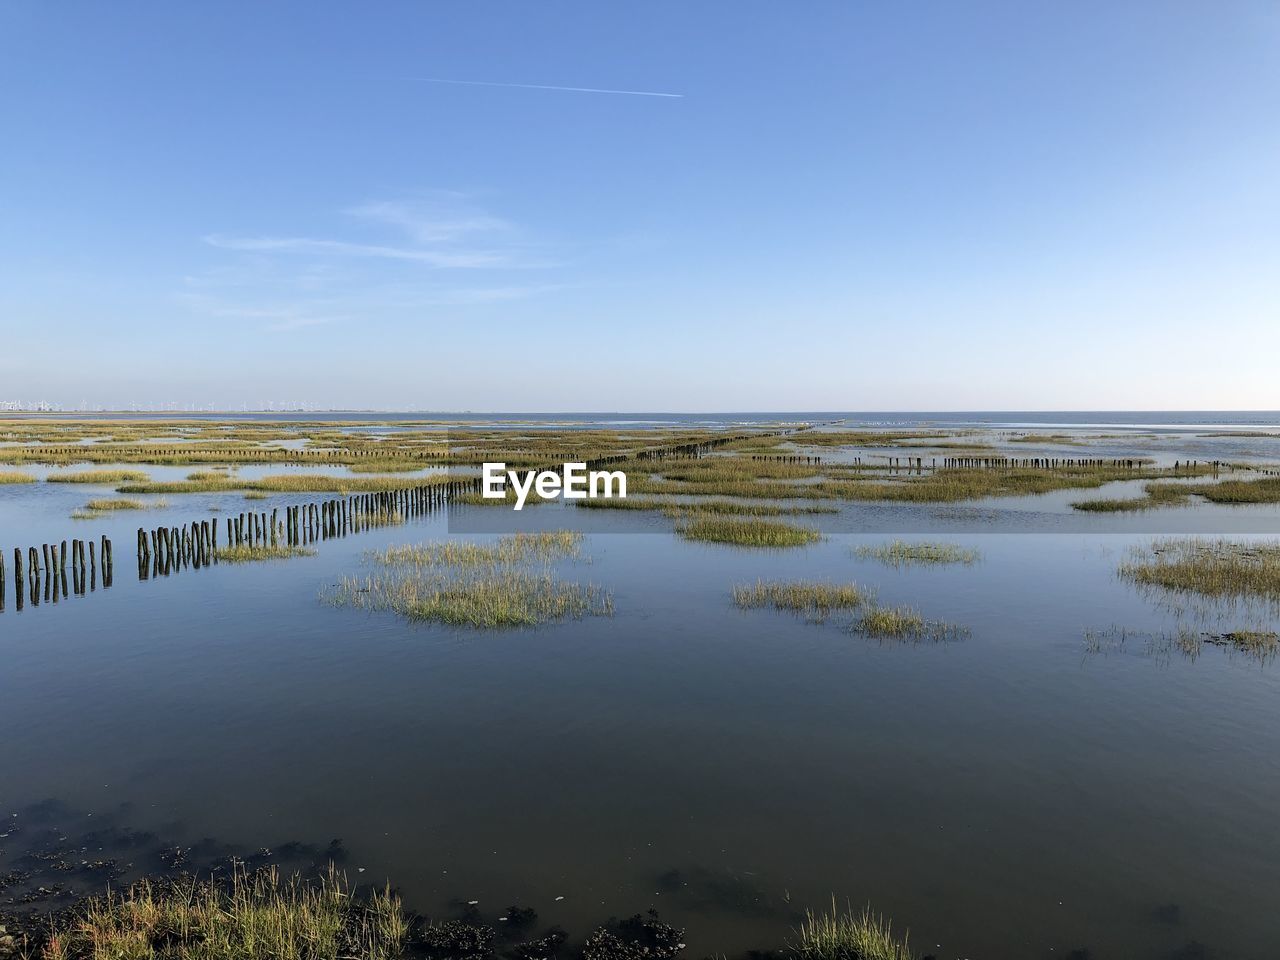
(544, 86)
(342, 248)
(299, 323)
(275, 318)
(437, 229)
(391, 258)
(431, 221)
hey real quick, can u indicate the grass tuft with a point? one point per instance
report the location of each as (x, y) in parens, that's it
(502, 598)
(845, 935)
(1155, 495)
(747, 532)
(903, 623)
(254, 916)
(122, 503)
(248, 554)
(814, 600)
(505, 551)
(901, 553)
(1218, 568)
(477, 584)
(15, 476)
(98, 476)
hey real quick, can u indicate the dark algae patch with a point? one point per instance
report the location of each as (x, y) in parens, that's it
(209, 902)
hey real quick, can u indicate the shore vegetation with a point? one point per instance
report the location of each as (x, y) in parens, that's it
(902, 553)
(814, 600)
(849, 935)
(253, 916)
(1218, 568)
(747, 532)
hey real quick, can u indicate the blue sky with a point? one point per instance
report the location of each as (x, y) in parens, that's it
(848, 206)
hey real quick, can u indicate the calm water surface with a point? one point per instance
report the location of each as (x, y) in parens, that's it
(1004, 795)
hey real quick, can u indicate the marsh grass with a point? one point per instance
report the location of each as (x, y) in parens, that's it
(486, 585)
(122, 503)
(683, 508)
(254, 916)
(1255, 643)
(98, 476)
(846, 935)
(484, 598)
(507, 499)
(1219, 568)
(211, 482)
(1262, 490)
(15, 476)
(248, 554)
(1155, 495)
(902, 553)
(844, 482)
(387, 466)
(543, 546)
(815, 601)
(1057, 439)
(903, 623)
(746, 532)
(381, 518)
(741, 509)
(95, 509)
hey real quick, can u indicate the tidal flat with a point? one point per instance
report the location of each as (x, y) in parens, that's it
(566, 717)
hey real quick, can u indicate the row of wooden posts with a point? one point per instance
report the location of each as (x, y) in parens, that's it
(689, 450)
(167, 550)
(108, 452)
(1065, 463)
(49, 579)
(784, 458)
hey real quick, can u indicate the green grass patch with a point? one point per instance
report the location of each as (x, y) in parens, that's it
(254, 916)
(1155, 495)
(846, 935)
(122, 503)
(508, 499)
(249, 554)
(902, 553)
(1255, 643)
(1218, 568)
(815, 601)
(98, 476)
(490, 599)
(903, 623)
(746, 532)
(486, 585)
(682, 508)
(283, 483)
(517, 548)
(1263, 490)
(387, 466)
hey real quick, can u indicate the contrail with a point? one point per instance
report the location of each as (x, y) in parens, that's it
(540, 86)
